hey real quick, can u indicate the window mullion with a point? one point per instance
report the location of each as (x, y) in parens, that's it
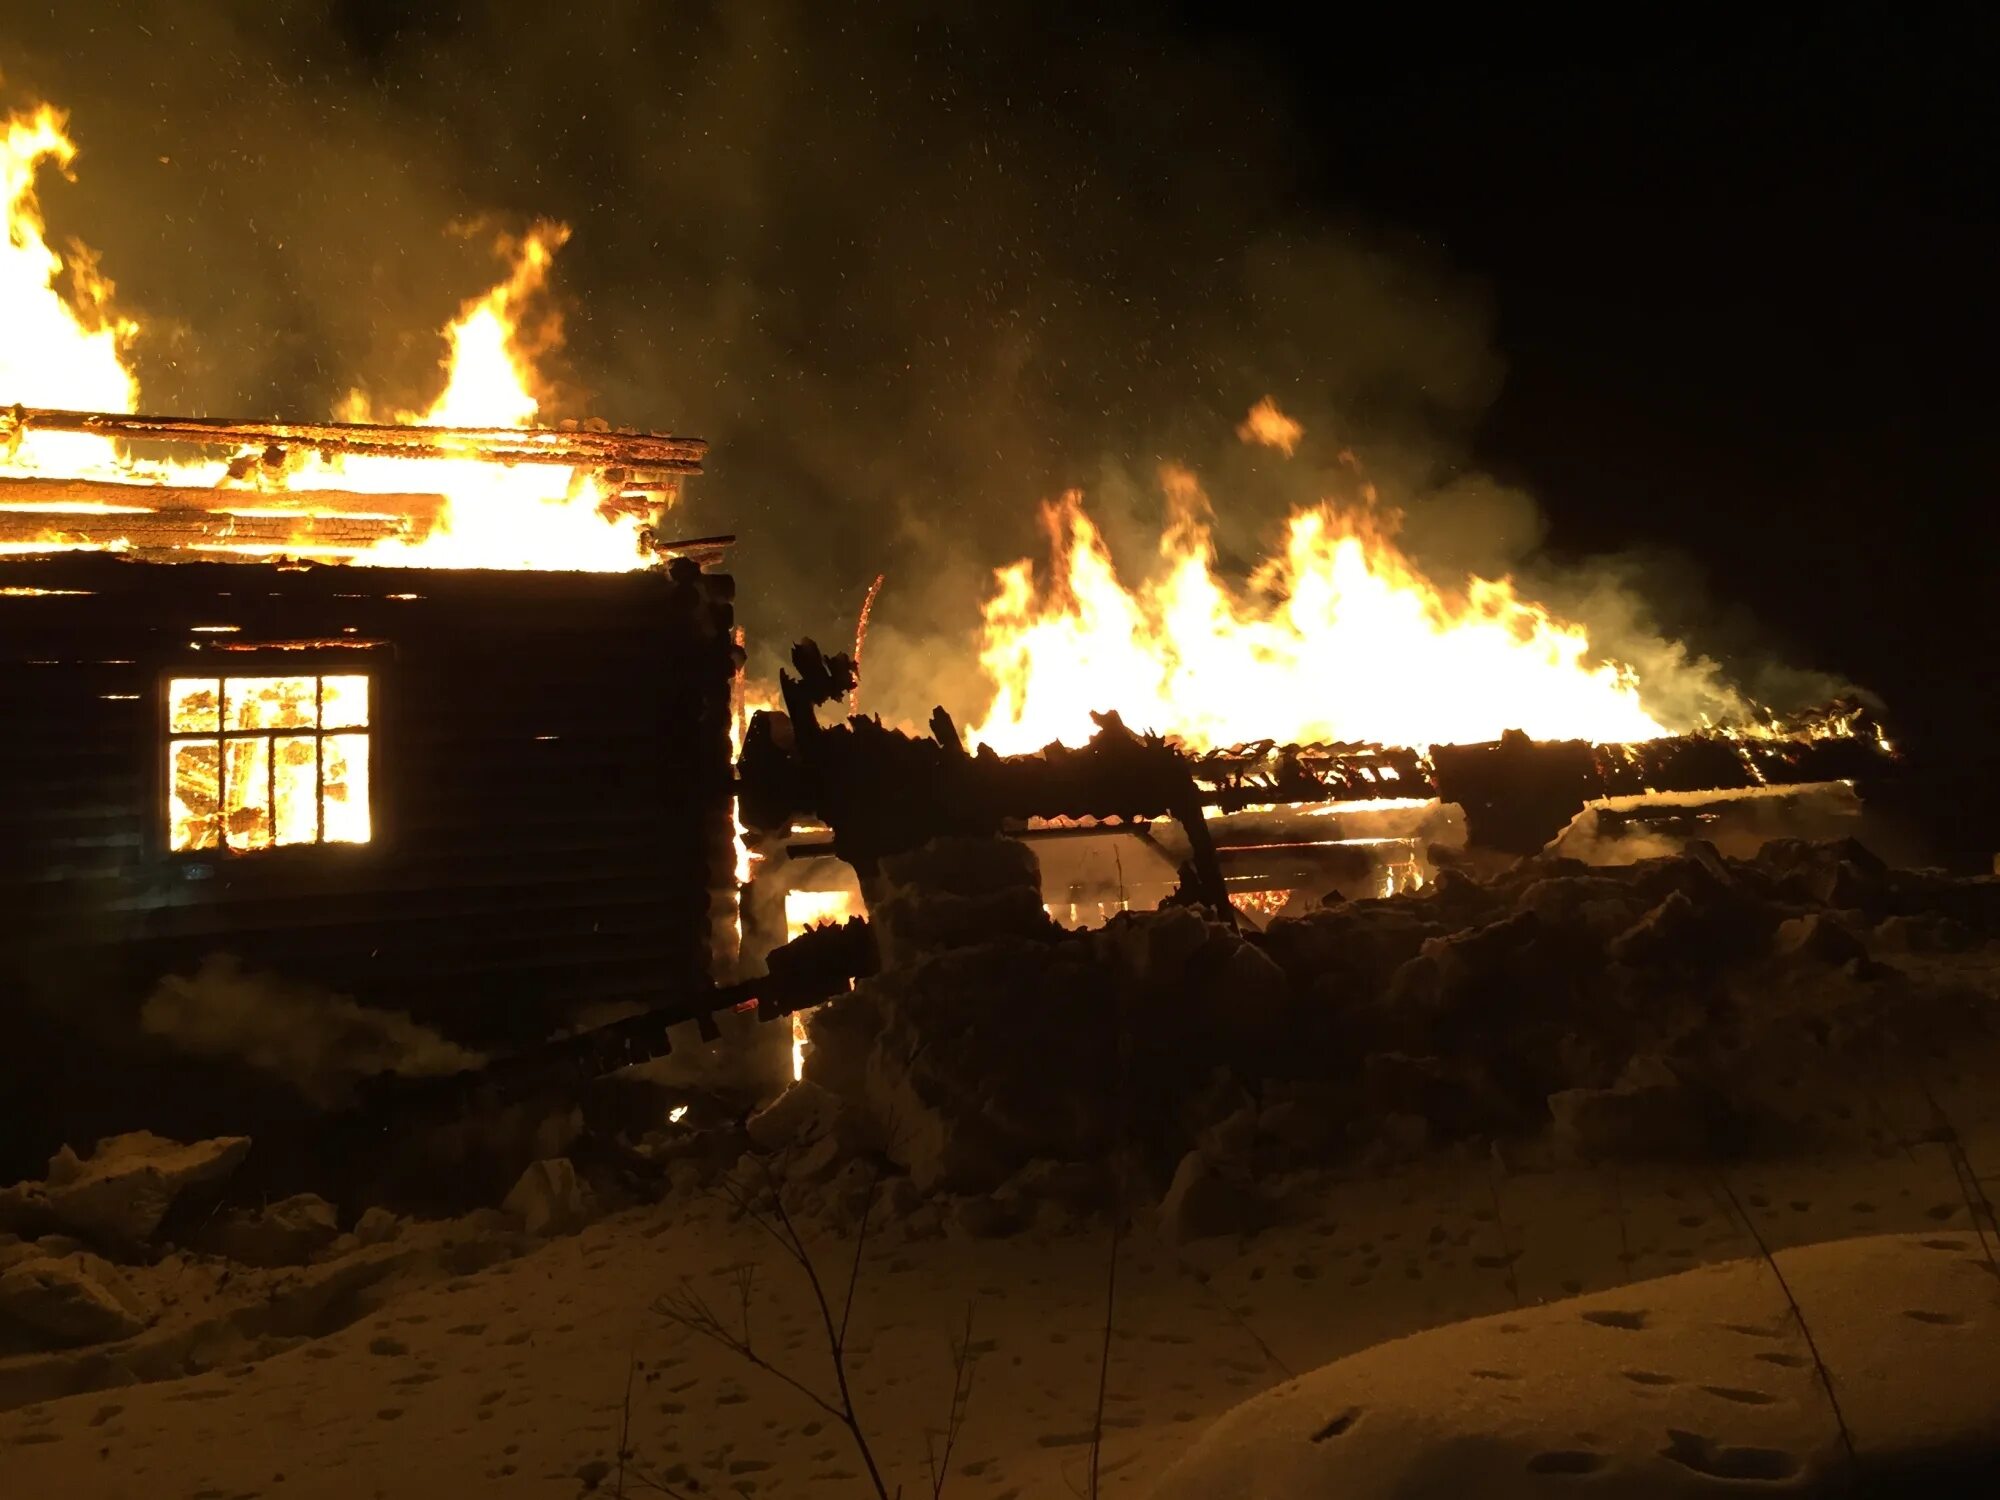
(319, 760)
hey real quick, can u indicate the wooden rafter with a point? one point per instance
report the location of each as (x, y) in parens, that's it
(575, 447)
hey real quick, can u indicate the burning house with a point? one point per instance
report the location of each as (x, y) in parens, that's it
(425, 709)
(491, 799)
(424, 713)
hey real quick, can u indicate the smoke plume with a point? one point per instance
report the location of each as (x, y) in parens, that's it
(321, 1044)
(910, 266)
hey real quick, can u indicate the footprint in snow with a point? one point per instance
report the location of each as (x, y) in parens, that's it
(1740, 1395)
(1692, 1450)
(1615, 1318)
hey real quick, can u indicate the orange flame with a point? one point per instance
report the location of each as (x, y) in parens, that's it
(1271, 427)
(1337, 636)
(53, 353)
(70, 351)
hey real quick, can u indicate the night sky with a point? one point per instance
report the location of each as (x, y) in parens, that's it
(1715, 292)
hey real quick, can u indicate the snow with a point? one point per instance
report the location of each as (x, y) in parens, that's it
(1386, 1141)
(407, 1370)
(1676, 1387)
(124, 1188)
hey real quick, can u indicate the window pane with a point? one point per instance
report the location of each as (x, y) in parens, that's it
(267, 703)
(297, 777)
(348, 820)
(246, 792)
(193, 818)
(344, 702)
(194, 705)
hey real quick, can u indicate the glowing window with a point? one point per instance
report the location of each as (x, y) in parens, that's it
(261, 762)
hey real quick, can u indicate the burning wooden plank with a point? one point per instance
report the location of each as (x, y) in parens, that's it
(583, 446)
(69, 497)
(282, 494)
(881, 791)
(188, 529)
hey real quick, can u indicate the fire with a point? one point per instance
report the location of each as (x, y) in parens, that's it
(805, 910)
(54, 352)
(65, 349)
(527, 516)
(1336, 636)
(488, 375)
(262, 762)
(801, 1039)
(1271, 427)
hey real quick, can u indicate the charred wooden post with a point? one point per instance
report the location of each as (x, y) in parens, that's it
(1517, 793)
(882, 792)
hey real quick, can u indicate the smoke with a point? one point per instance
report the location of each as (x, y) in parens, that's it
(319, 1043)
(911, 267)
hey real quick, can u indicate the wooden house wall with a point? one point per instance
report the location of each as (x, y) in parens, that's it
(550, 783)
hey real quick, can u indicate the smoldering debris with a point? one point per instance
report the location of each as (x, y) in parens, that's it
(320, 1043)
(1689, 1006)
(1737, 821)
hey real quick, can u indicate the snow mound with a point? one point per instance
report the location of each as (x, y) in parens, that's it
(1696, 1384)
(1688, 1007)
(123, 1189)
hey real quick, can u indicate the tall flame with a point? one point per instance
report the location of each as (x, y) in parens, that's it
(528, 516)
(488, 374)
(1337, 636)
(62, 346)
(53, 353)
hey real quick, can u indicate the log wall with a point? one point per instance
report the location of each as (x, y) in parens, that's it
(551, 784)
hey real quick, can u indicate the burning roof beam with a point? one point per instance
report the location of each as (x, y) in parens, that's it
(570, 446)
(41, 497)
(881, 790)
(181, 529)
(618, 486)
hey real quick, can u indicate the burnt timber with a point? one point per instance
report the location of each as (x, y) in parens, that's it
(574, 446)
(881, 790)
(255, 506)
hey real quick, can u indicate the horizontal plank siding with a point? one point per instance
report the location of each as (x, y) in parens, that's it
(550, 782)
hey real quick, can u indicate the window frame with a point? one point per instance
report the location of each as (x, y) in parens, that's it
(252, 660)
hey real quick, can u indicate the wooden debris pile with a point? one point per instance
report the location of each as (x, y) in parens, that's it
(881, 790)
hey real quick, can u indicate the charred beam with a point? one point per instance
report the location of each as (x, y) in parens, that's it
(809, 970)
(883, 792)
(573, 446)
(880, 790)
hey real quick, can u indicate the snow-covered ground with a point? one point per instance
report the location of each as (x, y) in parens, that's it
(1688, 1385)
(1808, 1033)
(513, 1379)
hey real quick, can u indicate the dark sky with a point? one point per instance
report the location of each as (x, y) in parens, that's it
(1715, 293)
